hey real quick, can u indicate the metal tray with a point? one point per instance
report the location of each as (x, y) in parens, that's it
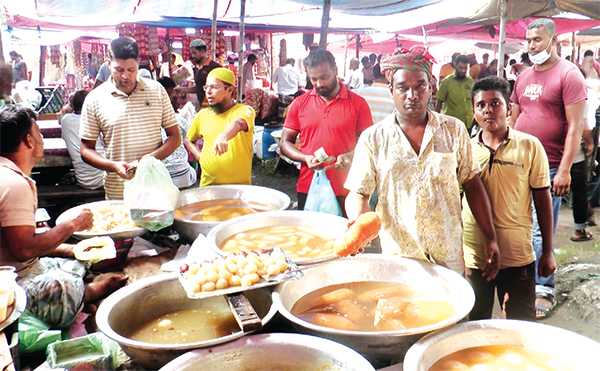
(293, 272)
(17, 307)
(114, 234)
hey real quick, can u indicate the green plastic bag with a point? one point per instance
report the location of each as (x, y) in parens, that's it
(321, 197)
(151, 196)
(34, 334)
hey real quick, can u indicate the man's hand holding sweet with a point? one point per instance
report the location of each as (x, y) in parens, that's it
(83, 220)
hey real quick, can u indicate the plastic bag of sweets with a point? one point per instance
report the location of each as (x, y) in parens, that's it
(151, 195)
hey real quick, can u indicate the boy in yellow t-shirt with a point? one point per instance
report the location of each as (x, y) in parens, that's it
(514, 169)
(227, 128)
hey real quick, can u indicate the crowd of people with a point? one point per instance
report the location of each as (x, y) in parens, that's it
(468, 174)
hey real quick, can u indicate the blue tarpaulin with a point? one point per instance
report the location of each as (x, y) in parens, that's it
(372, 7)
(189, 22)
(347, 16)
(226, 8)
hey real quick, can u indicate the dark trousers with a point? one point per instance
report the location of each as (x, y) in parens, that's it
(579, 193)
(515, 288)
(302, 201)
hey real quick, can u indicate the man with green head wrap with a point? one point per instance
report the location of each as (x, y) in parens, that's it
(417, 160)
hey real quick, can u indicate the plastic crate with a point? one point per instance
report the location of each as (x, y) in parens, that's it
(52, 102)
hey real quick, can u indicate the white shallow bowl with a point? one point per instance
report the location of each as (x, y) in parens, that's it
(116, 234)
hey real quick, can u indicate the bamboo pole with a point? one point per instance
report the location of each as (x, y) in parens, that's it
(169, 52)
(213, 35)
(1, 48)
(346, 54)
(42, 64)
(502, 40)
(573, 49)
(325, 24)
(241, 49)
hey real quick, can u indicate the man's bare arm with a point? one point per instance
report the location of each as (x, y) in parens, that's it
(562, 179)
(480, 206)
(173, 141)
(92, 157)
(24, 243)
(438, 105)
(233, 128)
(356, 204)
(289, 149)
(192, 148)
(543, 206)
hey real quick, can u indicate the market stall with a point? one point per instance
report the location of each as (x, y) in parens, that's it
(241, 267)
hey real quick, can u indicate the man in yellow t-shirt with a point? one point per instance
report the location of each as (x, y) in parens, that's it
(514, 171)
(227, 128)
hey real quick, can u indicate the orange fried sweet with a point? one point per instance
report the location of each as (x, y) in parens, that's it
(363, 231)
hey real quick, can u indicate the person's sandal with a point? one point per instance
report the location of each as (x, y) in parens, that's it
(583, 236)
(544, 303)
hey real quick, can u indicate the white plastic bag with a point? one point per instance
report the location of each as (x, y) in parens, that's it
(151, 196)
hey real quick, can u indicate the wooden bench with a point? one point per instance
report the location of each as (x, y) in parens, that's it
(69, 190)
(47, 116)
(58, 198)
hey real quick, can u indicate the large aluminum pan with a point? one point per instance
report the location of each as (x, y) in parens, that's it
(327, 224)
(382, 348)
(277, 351)
(190, 229)
(577, 350)
(131, 306)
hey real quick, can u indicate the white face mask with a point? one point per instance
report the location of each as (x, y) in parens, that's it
(542, 56)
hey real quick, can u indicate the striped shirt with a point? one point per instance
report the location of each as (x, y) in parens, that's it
(130, 124)
(379, 99)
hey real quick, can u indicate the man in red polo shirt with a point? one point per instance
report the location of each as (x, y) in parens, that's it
(328, 116)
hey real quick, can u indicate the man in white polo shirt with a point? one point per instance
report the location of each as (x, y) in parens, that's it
(129, 111)
(287, 78)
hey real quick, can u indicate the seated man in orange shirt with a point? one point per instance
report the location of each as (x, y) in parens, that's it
(55, 289)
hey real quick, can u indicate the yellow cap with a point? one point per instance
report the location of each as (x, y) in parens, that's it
(223, 74)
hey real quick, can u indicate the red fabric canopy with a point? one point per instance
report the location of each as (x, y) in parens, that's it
(370, 46)
(515, 31)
